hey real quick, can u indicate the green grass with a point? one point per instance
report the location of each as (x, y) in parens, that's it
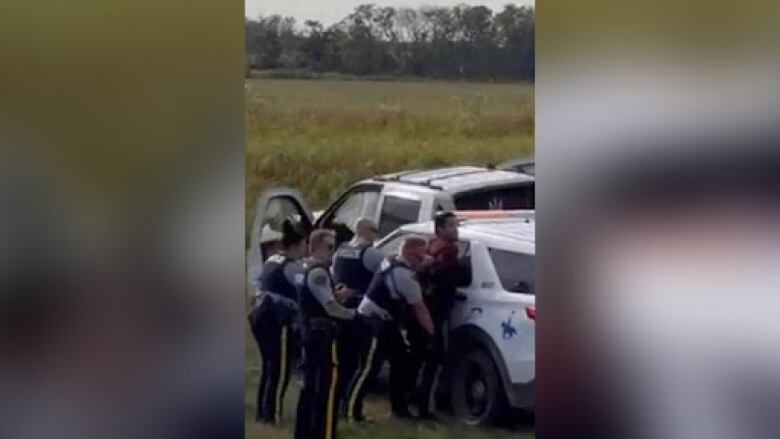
(321, 136)
(377, 407)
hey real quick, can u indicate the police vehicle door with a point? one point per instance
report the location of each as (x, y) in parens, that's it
(272, 208)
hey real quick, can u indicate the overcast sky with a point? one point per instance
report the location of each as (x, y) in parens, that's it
(331, 11)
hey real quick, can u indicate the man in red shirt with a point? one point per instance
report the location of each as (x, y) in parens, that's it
(440, 277)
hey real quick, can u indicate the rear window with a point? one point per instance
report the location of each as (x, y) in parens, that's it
(515, 270)
(504, 198)
(393, 244)
(396, 212)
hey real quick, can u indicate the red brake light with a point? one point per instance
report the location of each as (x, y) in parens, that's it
(530, 311)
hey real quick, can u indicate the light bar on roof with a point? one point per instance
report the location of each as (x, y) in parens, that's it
(495, 214)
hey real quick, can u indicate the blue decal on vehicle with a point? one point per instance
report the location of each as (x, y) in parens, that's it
(507, 328)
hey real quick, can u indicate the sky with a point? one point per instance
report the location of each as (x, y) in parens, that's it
(331, 11)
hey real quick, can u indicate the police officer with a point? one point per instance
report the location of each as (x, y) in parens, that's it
(272, 318)
(321, 312)
(354, 265)
(392, 296)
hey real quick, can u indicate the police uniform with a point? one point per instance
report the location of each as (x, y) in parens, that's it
(440, 279)
(382, 310)
(271, 322)
(354, 265)
(318, 402)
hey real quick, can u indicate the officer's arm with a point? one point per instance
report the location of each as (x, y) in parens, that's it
(423, 316)
(343, 293)
(319, 285)
(410, 289)
(337, 311)
(372, 258)
(291, 270)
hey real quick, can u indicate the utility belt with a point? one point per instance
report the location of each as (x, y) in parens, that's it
(322, 324)
(278, 299)
(281, 309)
(375, 323)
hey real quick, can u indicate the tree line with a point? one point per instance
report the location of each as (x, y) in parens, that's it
(463, 42)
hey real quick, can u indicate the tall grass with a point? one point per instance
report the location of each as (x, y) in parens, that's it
(322, 136)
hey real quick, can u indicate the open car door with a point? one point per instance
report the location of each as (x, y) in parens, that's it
(272, 208)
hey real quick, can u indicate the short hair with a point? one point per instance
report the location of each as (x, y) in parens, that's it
(293, 233)
(440, 220)
(360, 221)
(413, 242)
(318, 237)
(342, 233)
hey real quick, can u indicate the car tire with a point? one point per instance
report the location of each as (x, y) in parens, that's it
(476, 390)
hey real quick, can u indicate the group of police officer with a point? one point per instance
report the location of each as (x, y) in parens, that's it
(350, 305)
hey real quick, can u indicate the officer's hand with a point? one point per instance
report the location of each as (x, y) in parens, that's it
(343, 293)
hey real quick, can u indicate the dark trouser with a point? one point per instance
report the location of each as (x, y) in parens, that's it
(429, 360)
(378, 341)
(317, 415)
(275, 342)
(349, 354)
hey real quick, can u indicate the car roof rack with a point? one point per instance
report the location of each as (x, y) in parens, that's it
(399, 177)
(458, 174)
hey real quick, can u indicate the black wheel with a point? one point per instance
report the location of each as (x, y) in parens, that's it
(477, 394)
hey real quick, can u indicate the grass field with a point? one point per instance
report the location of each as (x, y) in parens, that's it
(321, 136)
(377, 407)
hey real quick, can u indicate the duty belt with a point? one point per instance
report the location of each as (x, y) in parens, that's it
(278, 299)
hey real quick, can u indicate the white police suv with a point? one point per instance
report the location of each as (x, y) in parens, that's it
(392, 200)
(491, 343)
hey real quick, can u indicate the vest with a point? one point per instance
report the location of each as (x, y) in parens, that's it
(348, 268)
(381, 295)
(274, 280)
(308, 305)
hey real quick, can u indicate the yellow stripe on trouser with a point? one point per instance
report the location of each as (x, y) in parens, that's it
(332, 391)
(282, 375)
(361, 379)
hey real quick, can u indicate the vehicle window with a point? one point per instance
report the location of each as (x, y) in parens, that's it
(393, 245)
(361, 202)
(515, 270)
(396, 212)
(505, 198)
(463, 248)
(279, 209)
